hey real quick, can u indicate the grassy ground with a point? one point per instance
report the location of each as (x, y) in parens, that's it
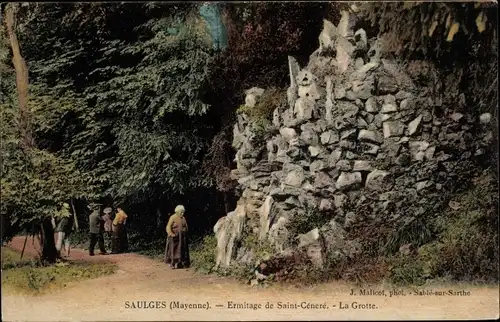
(28, 276)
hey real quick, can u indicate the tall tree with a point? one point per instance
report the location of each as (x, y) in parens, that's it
(35, 182)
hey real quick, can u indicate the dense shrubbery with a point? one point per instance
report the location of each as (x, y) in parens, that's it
(466, 247)
(203, 254)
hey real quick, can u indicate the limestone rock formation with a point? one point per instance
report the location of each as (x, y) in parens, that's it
(369, 138)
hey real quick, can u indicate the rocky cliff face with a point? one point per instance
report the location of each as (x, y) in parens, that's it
(360, 138)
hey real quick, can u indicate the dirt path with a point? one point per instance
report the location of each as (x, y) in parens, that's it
(143, 281)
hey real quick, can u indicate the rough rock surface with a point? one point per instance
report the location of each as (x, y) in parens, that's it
(360, 135)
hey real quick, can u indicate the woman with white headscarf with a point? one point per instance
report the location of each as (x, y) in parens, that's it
(176, 250)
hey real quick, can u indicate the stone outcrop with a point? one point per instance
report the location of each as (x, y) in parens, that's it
(357, 132)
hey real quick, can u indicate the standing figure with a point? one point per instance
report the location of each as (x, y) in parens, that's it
(108, 226)
(63, 229)
(96, 227)
(176, 249)
(119, 242)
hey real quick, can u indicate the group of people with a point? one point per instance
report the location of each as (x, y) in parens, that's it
(113, 229)
(106, 227)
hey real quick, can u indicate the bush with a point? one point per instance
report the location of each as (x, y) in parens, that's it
(204, 253)
(244, 271)
(266, 104)
(468, 249)
(467, 246)
(415, 232)
(301, 224)
(239, 271)
(408, 271)
(261, 114)
(261, 248)
(360, 270)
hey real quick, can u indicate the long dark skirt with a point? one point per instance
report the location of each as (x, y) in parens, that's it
(177, 251)
(119, 242)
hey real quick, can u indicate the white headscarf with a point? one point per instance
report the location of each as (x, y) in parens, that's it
(180, 210)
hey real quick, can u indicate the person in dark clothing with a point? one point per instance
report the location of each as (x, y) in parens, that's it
(96, 227)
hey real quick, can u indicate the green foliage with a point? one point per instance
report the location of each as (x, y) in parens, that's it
(261, 114)
(262, 249)
(217, 162)
(7, 76)
(239, 271)
(260, 129)
(303, 223)
(467, 244)
(259, 46)
(155, 249)
(271, 99)
(32, 278)
(117, 100)
(415, 232)
(203, 254)
(203, 259)
(256, 55)
(408, 271)
(127, 112)
(12, 259)
(34, 183)
(468, 250)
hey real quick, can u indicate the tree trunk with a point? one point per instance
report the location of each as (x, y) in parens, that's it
(6, 228)
(24, 246)
(227, 206)
(22, 81)
(48, 243)
(159, 225)
(77, 226)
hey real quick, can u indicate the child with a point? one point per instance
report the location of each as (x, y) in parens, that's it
(108, 225)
